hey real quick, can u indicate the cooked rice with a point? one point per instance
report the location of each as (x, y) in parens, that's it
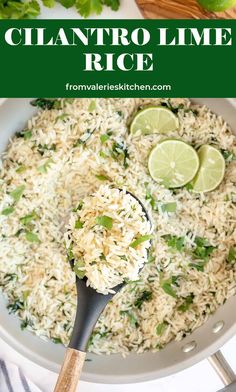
(105, 255)
(59, 165)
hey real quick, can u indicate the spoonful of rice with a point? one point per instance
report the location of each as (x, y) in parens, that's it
(108, 240)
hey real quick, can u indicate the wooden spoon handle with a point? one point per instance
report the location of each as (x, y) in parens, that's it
(180, 9)
(70, 371)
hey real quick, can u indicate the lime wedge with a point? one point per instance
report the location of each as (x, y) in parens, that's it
(173, 163)
(217, 5)
(212, 169)
(154, 120)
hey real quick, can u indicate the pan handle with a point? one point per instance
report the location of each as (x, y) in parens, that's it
(223, 369)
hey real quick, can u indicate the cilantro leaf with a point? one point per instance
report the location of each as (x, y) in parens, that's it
(88, 7)
(140, 240)
(145, 296)
(132, 319)
(231, 255)
(186, 304)
(160, 329)
(104, 221)
(175, 242)
(17, 193)
(7, 211)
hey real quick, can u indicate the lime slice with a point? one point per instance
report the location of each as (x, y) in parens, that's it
(173, 163)
(212, 169)
(154, 120)
(217, 5)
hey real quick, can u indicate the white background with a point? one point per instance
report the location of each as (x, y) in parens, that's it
(199, 378)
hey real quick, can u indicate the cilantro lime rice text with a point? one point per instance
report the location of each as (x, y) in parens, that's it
(69, 150)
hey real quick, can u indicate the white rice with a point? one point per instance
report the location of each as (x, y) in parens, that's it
(36, 276)
(107, 256)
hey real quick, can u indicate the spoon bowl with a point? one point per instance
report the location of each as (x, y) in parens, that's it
(90, 304)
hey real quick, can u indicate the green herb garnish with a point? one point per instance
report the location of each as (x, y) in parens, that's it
(145, 296)
(167, 286)
(169, 207)
(79, 269)
(44, 103)
(79, 224)
(186, 304)
(25, 220)
(132, 319)
(104, 138)
(101, 177)
(153, 202)
(31, 237)
(231, 255)
(160, 329)
(44, 147)
(15, 306)
(43, 169)
(104, 221)
(7, 211)
(120, 151)
(26, 134)
(174, 242)
(92, 106)
(140, 240)
(203, 249)
(228, 155)
(21, 169)
(56, 340)
(17, 193)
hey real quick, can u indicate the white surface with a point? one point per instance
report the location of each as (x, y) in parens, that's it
(199, 378)
(128, 10)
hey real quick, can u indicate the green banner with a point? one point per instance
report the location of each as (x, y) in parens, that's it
(118, 58)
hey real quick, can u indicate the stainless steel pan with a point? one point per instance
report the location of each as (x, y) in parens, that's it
(202, 343)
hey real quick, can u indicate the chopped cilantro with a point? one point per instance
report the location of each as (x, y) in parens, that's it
(145, 296)
(17, 193)
(101, 177)
(160, 329)
(44, 147)
(132, 318)
(203, 249)
(7, 211)
(167, 286)
(120, 151)
(169, 207)
(104, 221)
(79, 269)
(231, 255)
(43, 169)
(26, 134)
(186, 304)
(15, 306)
(21, 169)
(152, 201)
(174, 242)
(78, 224)
(31, 237)
(92, 106)
(104, 138)
(140, 240)
(44, 103)
(57, 340)
(228, 155)
(25, 220)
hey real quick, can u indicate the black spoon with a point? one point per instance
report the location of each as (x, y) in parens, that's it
(90, 305)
